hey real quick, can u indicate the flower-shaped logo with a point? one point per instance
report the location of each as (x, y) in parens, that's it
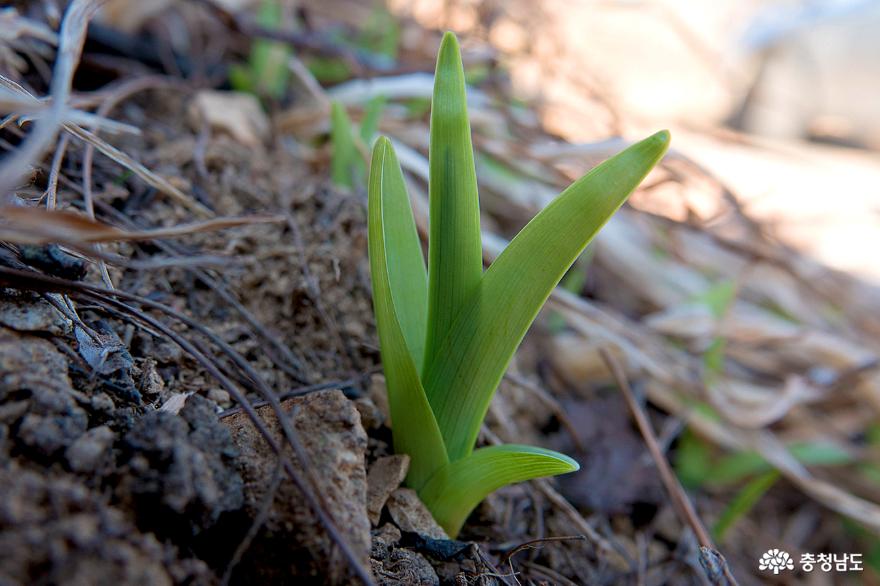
(776, 560)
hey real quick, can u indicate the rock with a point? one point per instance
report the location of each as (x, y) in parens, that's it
(32, 315)
(28, 362)
(219, 396)
(378, 394)
(411, 514)
(371, 416)
(151, 384)
(385, 477)
(180, 469)
(91, 451)
(238, 114)
(387, 535)
(405, 568)
(52, 259)
(293, 542)
(384, 539)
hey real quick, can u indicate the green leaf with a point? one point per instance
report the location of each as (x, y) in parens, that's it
(372, 114)
(268, 59)
(472, 358)
(719, 297)
(454, 491)
(455, 253)
(736, 467)
(693, 460)
(346, 164)
(399, 300)
(744, 501)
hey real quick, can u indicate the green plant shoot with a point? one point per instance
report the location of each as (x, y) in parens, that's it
(448, 331)
(266, 73)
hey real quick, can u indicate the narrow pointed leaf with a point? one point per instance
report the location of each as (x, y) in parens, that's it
(346, 164)
(454, 491)
(372, 115)
(474, 355)
(455, 250)
(399, 297)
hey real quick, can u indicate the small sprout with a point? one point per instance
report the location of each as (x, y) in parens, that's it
(267, 72)
(348, 165)
(448, 332)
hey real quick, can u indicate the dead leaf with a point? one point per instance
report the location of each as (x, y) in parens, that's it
(31, 225)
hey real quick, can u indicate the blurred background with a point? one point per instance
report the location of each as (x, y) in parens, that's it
(775, 98)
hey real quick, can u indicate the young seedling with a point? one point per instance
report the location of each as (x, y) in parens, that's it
(447, 333)
(348, 165)
(266, 73)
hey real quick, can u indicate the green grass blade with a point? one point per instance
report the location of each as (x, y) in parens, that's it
(343, 163)
(472, 358)
(372, 114)
(736, 467)
(268, 60)
(399, 297)
(744, 501)
(455, 251)
(454, 491)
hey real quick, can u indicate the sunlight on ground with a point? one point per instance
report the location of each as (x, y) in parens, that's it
(605, 68)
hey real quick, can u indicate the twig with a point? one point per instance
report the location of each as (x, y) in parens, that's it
(552, 403)
(72, 37)
(547, 572)
(680, 500)
(259, 520)
(532, 543)
(54, 170)
(305, 390)
(581, 524)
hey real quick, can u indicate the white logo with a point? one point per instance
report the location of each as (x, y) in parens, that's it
(776, 560)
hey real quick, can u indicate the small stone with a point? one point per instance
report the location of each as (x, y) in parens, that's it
(384, 539)
(388, 534)
(371, 416)
(384, 477)
(32, 315)
(90, 450)
(167, 353)
(219, 396)
(411, 514)
(151, 383)
(102, 403)
(378, 394)
(238, 114)
(404, 566)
